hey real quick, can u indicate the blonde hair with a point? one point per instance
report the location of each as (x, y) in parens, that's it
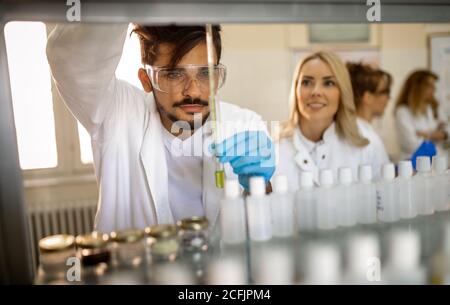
(411, 94)
(345, 118)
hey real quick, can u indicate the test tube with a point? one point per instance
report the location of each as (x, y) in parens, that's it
(215, 111)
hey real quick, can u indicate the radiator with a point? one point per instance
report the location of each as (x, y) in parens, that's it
(48, 218)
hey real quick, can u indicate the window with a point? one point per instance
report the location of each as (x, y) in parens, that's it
(31, 94)
(339, 33)
(45, 130)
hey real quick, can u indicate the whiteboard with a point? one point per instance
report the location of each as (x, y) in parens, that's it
(439, 62)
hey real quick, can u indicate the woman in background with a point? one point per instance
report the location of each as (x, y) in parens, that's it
(371, 93)
(322, 131)
(417, 113)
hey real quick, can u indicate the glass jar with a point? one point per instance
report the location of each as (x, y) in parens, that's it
(128, 247)
(193, 233)
(163, 242)
(55, 250)
(94, 254)
(93, 249)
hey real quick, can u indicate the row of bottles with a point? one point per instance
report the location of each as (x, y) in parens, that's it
(351, 257)
(332, 205)
(283, 223)
(340, 232)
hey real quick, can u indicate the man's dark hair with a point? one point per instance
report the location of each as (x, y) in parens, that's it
(182, 38)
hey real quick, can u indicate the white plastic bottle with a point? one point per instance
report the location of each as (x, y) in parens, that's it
(403, 263)
(440, 184)
(363, 260)
(326, 201)
(232, 214)
(273, 266)
(440, 261)
(305, 204)
(259, 212)
(346, 208)
(422, 187)
(404, 193)
(227, 270)
(387, 205)
(323, 265)
(282, 204)
(366, 196)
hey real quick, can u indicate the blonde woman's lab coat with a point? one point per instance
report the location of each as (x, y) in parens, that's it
(333, 153)
(125, 128)
(408, 125)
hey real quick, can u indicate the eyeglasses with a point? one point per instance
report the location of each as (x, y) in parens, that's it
(386, 92)
(177, 79)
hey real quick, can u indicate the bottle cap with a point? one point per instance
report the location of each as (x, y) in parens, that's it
(306, 180)
(232, 189)
(280, 184)
(405, 169)
(423, 164)
(439, 164)
(388, 171)
(257, 186)
(326, 177)
(365, 173)
(345, 175)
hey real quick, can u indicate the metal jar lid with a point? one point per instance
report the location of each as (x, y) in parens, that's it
(93, 240)
(127, 236)
(193, 223)
(56, 243)
(161, 231)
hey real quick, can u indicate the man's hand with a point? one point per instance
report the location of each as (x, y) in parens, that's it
(250, 153)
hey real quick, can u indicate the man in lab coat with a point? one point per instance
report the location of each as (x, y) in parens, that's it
(151, 147)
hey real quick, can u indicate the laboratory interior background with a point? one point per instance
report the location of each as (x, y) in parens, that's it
(55, 151)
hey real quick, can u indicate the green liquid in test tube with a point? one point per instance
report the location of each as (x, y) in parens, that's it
(220, 178)
(219, 173)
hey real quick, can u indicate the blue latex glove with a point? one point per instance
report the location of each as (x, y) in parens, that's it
(427, 148)
(250, 153)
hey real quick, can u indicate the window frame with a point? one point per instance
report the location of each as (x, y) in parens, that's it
(69, 164)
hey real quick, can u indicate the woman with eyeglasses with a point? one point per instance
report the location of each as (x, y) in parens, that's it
(322, 131)
(371, 90)
(371, 93)
(417, 113)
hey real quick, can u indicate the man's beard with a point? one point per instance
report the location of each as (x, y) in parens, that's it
(177, 120)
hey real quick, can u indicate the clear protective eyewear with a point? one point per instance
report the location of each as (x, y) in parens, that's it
(177, 79)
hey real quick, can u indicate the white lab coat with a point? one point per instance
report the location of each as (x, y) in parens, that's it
(334, 153)
(408, 125)
(125, 128)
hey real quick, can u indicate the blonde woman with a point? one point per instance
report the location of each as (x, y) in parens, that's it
(417, 113)
(322, 130)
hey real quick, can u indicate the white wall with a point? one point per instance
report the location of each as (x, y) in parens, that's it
(259, 62)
